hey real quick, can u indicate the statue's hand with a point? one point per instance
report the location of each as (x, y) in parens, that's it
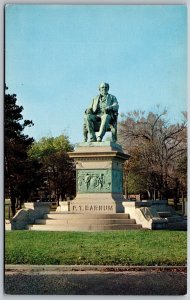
(107, 110)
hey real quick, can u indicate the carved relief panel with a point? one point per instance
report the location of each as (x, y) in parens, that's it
(99, 181)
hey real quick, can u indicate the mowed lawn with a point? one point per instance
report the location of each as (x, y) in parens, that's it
(136, 247)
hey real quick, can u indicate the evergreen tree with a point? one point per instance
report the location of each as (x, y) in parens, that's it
(16, 145)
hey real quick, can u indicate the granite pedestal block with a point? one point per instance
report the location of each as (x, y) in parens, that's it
(99, 173)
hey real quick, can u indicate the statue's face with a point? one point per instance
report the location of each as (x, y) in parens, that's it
(104, 90)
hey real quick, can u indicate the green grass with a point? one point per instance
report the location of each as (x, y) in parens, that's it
(138, 247)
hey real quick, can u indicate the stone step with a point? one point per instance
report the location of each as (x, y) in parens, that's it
(164, 214)
(174, 219)
(68, 216)
(84, 227)
(180, 225)
(84, 221)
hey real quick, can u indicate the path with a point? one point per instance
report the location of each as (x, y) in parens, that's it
(94, 281)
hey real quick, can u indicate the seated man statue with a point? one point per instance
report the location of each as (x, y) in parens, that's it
(101, 116)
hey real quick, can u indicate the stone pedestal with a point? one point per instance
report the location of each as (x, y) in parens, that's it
(99, 173)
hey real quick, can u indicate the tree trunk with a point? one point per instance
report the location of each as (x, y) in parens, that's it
(126, 190)
(20, 203)
(13, 203)
(149, 194)
(57, 197)
(154, 193)
(125, 184)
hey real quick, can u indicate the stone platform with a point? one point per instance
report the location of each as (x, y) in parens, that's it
(140, 214)
(57, 221)
(99, 173)
(155, 214)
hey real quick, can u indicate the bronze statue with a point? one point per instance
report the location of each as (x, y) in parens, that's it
(101, 116)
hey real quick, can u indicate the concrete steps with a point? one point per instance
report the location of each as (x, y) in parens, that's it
(85, 222)
(75, 216)
(177, 223)
(57, 221)
(84, 228)
(175, 218)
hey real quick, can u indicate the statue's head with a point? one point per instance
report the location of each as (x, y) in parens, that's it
(104, 88)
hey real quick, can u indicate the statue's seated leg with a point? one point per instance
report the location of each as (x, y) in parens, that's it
(90, 119)
(113, 133)
(105, 122)
(85, 132)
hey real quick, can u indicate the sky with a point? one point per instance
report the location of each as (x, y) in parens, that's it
(57, 55)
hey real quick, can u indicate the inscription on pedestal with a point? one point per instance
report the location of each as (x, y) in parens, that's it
(92, 208)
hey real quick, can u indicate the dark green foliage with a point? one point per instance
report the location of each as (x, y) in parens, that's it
(58, 170)
(17, 164)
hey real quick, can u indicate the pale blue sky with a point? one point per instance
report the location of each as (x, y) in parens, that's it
(56, 56)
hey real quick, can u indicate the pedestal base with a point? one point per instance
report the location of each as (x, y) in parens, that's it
(97, 203)
(99, 178)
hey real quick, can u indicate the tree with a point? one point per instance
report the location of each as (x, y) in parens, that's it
(58, 169)
(155, 147)
(15, 149)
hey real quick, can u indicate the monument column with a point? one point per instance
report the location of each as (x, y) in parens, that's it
(99, 178)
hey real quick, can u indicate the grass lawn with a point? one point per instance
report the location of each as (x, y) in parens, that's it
(136, 247)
